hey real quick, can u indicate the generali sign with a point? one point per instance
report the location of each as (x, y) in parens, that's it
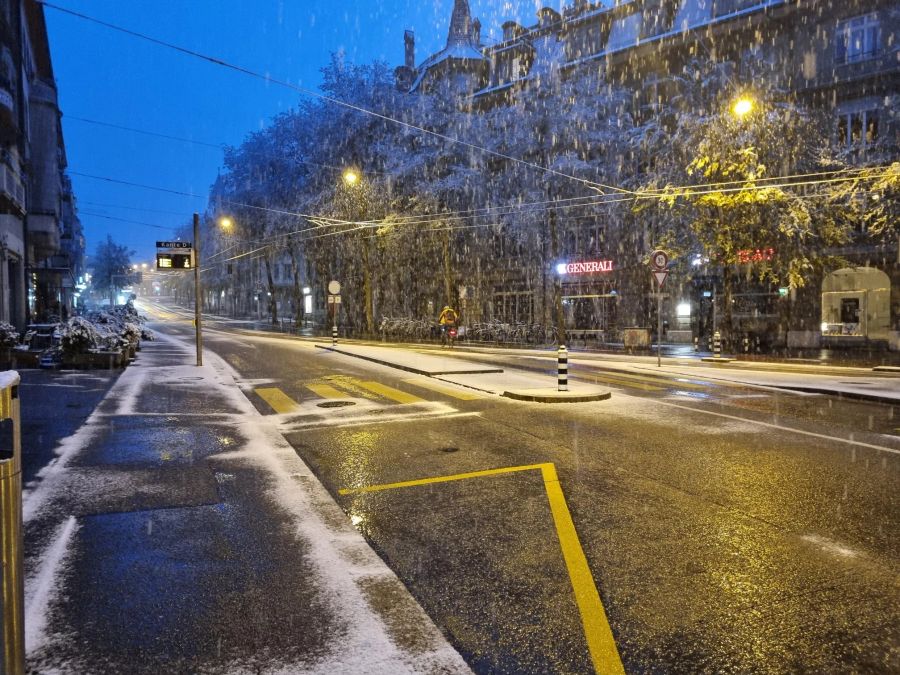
(585, 267)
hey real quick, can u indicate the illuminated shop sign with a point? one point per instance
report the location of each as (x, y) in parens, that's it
(585, 267)
(752, 255)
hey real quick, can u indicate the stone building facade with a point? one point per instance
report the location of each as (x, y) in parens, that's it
(843, 58)
(41, 242)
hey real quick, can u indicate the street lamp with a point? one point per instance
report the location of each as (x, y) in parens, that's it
(742, 106)
(226, 223)
(351, 177)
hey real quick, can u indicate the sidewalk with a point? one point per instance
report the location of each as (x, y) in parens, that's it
(516, 384)
(472, 368)
(177, 531)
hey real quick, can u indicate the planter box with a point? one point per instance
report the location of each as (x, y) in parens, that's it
(13, 359)
(636, 338)
(110, 359)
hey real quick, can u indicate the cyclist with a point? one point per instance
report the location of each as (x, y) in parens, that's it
(447, 320)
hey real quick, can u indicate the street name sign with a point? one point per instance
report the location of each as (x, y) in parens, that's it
(174, 244)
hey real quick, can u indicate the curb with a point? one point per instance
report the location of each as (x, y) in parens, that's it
(410, 369)
(559, 397)
(886, 369)
(859, 396)
(715, 359)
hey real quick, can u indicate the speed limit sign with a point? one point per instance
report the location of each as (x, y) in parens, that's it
(659, 259)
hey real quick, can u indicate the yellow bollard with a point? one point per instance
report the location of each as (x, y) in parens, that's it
(12, 588)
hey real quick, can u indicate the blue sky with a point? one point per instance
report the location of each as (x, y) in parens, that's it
(114, 78)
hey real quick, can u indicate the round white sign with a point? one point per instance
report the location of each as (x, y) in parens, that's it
(334, 287)
(659, 260)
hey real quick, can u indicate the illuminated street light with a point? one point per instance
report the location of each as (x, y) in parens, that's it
(742, 107)
(226, 223)
(351, 177)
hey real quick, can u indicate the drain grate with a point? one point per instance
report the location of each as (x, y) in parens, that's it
(335, 404)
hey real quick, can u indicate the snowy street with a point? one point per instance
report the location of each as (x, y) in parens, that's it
(188, 489)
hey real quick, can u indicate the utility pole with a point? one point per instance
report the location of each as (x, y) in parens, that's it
(198, 295)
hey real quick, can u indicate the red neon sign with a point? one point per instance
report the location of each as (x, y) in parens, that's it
(585, 267)
(748, 255)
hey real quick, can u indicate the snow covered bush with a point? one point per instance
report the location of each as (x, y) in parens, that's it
(79, 336)
(9, 336)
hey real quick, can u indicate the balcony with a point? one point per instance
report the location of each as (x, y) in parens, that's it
(12, 192)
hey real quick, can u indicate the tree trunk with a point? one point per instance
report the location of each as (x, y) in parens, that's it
(367, 287)
(298, 295)
(448, 279)
(273, 299)
(727, 285)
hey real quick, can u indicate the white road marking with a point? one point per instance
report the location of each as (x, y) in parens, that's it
(782, 428)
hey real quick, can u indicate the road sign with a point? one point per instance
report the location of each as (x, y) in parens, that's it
(334, 287)
(174, 244)
(660, 277)
(658, 260)
(334, 299)
(337, 299)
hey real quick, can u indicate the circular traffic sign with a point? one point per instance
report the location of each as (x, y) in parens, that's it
(334, 287)
(659, 259)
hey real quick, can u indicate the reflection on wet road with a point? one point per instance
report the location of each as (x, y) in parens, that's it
(723, 527)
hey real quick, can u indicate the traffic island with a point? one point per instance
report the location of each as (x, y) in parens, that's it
(552, 395)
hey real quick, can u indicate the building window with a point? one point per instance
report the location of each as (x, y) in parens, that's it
(858, 129)
(857, 39)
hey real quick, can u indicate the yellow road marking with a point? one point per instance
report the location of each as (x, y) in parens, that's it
(439, 479)
(390, 392)
(597, 632)
(441, 389)
(280, 402)
(326, 391)
(351, 385)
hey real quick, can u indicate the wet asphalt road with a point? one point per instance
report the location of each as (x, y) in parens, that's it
(717, 544)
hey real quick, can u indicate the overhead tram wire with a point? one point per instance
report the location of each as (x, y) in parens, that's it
(600, 200)
(221, 147)
(330, 99)
(125, 220)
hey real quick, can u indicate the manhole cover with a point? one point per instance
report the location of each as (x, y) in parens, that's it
(449, 449)
(335, 404)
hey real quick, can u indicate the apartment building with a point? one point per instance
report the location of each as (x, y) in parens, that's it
(843, 58)
(37, 216)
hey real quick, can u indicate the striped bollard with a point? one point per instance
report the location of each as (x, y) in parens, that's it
(696, 344)
(333, 336)
(717, 345)
(562, 373)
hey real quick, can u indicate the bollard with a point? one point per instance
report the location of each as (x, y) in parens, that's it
(333, 336)
(12, 588)
(717, 345)
(709, 343)
(696, 344)
(562, 372)
(746, 345)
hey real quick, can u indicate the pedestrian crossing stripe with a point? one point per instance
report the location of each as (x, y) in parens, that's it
(462, 395)
(280, 402)
(325, 391)
(390, 392)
